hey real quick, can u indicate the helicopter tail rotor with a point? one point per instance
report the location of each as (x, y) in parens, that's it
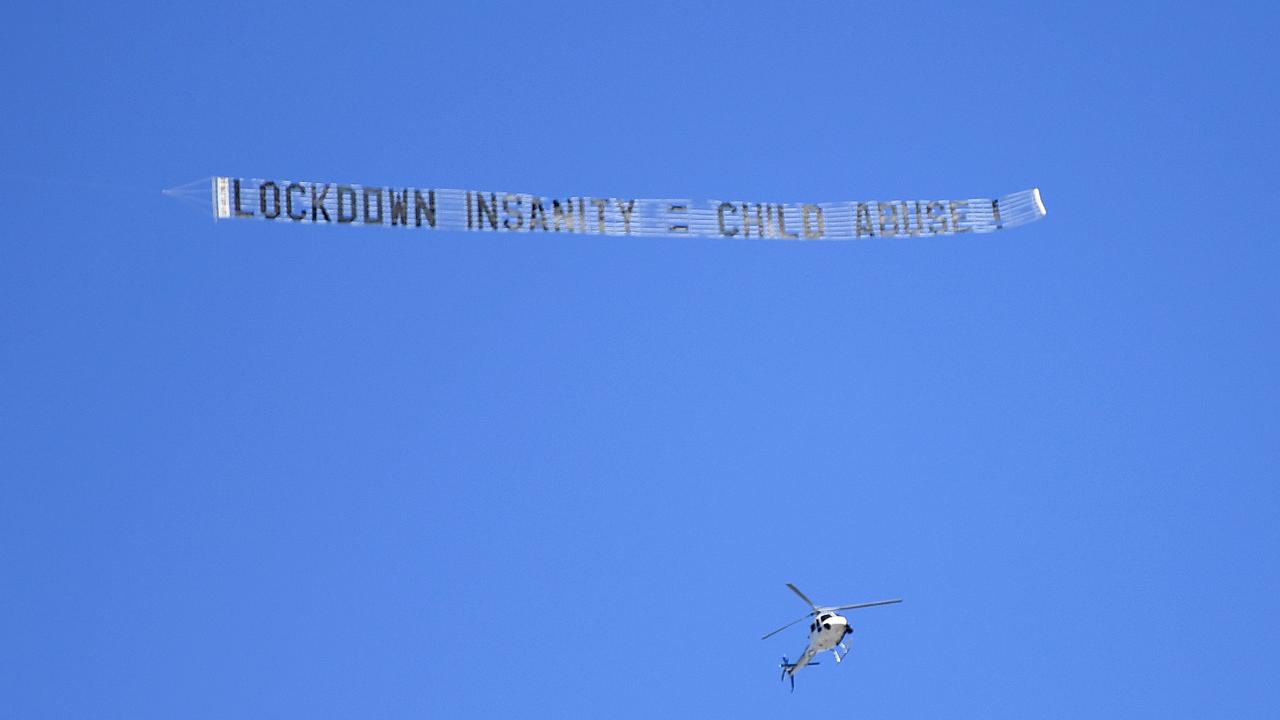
(789, 669)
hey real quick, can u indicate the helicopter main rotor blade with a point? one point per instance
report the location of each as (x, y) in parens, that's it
(803, 597)
(784, 627)
(867, 604)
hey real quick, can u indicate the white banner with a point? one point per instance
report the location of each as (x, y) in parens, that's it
(490, 211)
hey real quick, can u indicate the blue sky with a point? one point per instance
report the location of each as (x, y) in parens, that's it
(260, 470)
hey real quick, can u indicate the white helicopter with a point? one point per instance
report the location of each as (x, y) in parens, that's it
(826, 632)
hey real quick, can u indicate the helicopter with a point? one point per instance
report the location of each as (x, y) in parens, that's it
(827, 632)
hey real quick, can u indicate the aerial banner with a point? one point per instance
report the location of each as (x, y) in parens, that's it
(323, 203)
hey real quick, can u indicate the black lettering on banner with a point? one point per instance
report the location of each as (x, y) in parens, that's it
(894, 218)
(782, 224)
(937, 217)
(918, 228)
(892, 213)
(424, 207)
(288, 202)
(537, 213)
(906, 217)
(274, 212)
(626, 215)
(317, 204)
(720, 213)
(369, 219)
(235, 192)
(746, 220)
(516, 214)
(600, 204)
(399, 207)
(862, 221)
(347, 193)
(957, 215)
(808, 214)
(563, 214)
(486, 211)
(675, 209)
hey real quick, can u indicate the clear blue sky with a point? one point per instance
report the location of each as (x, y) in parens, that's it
(260, 470)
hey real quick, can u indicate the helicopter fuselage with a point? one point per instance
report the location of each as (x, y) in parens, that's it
(826, 632)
